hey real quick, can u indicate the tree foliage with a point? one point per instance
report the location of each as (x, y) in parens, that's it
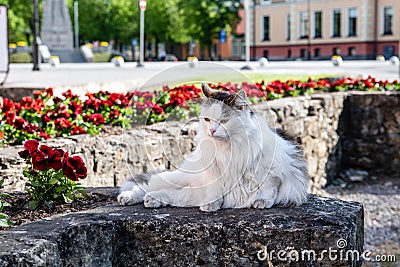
(106, 20)
(172, 21)
(164, 21)
(20, 13)
(206, 18)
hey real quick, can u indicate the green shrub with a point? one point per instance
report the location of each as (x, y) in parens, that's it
(23, 57)
(101, 57)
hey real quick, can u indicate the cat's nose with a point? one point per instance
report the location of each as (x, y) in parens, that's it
(212, 131)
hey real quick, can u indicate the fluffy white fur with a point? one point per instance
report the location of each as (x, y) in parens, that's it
(239, 162)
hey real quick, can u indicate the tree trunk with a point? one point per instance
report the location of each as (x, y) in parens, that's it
(202, 56)
(209, 47)
(157, 41)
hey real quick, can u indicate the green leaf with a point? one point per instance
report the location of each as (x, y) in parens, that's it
(35, 184)
(31, 205)
(68, 199)
(61, 188)
(59, 174)
(83, 191)
(53, 181)
(5, 220)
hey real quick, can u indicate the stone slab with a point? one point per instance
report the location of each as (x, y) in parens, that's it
(136, 236)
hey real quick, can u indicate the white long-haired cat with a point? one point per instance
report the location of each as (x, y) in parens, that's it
(239, 162)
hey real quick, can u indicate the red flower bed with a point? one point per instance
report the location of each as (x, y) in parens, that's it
(52, 174)
(44, 115)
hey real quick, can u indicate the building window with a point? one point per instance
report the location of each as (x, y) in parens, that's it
(288, 27)
(265, 34)
(318, 24)
(336, 51)
(303, 53)
(238, 47)
(387, 20)
(304, 24)
(336, 23)
(317, 52)
(352, 51)
(352, 22)
(289, 53)
(266, 54)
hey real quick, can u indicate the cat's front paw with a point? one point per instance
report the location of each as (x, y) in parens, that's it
(263, 203)
(126, 198)
(210, 207)
(151, 202)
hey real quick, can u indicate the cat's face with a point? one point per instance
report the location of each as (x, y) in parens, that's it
(222, 113)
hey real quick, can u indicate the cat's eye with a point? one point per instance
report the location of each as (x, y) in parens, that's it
(206, 119)
(224, 121)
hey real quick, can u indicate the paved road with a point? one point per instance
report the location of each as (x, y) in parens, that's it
(95, 76)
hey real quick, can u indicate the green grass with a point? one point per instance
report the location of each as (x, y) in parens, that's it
(237, 77)
(101, 57)
(22, 57)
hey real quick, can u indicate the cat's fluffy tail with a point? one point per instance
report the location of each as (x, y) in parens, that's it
(294, 187)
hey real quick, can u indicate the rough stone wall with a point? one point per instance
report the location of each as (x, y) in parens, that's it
(370, 134)
(136, 236)
(112, 159)
(337, 131)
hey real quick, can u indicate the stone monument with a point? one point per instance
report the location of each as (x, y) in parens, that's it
(56, 27)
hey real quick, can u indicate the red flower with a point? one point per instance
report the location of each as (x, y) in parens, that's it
(92, 103)
(44, 135)
(30, 147)
(26, 102)
(77, 130)
(49, 92)
(10, 115)
(19, 122)
(114, 114)
(62, 112)
(8, 105)
(46, 158)
(157, 109)
(68, 94)
(96, 118)
(74, 167)
(75, 108)
(30, 128)
(45, 118)
(62, 123)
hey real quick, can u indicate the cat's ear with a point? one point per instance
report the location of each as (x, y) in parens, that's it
(207, 91)
(240, 99)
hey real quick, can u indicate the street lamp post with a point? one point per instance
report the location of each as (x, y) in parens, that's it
(76, 24)
(309, 30)
(142, 5)
(247, 35)
(35, 36)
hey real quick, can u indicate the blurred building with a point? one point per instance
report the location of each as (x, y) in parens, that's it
(232, 47)
(318, 29)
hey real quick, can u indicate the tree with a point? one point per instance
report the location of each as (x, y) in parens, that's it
(164, 22)
(206, 18)
(19, 19)
(107, 20)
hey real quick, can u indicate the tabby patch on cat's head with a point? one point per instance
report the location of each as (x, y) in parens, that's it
(232, 100)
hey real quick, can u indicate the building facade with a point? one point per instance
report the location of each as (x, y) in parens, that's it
(319, 29)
